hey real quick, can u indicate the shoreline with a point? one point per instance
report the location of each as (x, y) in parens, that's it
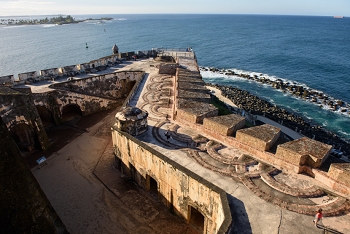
(293, 88)
(257, 106)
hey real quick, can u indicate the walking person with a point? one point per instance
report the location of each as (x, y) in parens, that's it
(167, 135)
(318, 217)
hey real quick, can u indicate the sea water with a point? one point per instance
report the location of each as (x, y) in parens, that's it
(312, 51)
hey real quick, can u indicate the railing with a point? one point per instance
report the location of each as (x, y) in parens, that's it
(328, 229)
(171, 49)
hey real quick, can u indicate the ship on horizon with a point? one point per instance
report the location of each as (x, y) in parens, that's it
(338, 17)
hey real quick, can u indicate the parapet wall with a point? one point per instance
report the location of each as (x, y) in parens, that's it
(178, 188)
(113, 85)
(71, 70)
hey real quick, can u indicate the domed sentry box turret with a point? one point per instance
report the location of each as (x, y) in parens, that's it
(132, 120)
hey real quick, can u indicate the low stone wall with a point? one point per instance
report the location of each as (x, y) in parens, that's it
(178, 188)
(112, 85)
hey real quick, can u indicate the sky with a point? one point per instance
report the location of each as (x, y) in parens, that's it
(271, 7)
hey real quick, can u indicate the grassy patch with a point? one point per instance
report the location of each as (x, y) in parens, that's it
(223, 110)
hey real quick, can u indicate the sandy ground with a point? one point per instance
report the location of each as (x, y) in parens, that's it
(85, 204)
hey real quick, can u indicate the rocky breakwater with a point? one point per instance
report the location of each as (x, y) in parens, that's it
(244, 100)
(293, 88)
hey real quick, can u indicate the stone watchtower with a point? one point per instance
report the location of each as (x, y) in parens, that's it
(132, 120)
(115, 49)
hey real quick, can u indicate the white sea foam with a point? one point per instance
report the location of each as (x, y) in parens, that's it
(224, 73)
(49, 25)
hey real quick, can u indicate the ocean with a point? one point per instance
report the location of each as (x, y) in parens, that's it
(308, 50)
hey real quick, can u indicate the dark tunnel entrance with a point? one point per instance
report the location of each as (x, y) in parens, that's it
(70, 112)
(25, 138)
(46, 116)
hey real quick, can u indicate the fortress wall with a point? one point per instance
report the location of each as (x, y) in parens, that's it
(332, 180)
(178, 187)
(113, 85)
(340, 172)
(50, 73)
(334, 183)
(7, 80)
(18, 108)
(253, 141)
(88, 104)
(183, 115)
(264, 156)
(27, 75)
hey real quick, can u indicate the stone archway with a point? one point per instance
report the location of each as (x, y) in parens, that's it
(70, 112)
(25, 137)
(46, 116)
(196, 219)
(128, 87)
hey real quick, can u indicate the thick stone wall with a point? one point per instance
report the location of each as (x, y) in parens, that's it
(304, 151)
(178, 187)
(88, 104)
(18, 108)
(225, 124)
(112, 85)
(6, 80)
(24, 206)
(340, 172)
(166, 68)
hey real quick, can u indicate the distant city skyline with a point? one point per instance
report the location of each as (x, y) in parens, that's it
(271, 7)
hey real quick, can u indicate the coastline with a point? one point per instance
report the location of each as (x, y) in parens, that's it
(293, 88)
(244, 100)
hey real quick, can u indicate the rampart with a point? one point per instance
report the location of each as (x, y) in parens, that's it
(177, 187)
(191, 108)
(72, 70)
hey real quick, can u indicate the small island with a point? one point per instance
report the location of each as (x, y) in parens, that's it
(54, 20)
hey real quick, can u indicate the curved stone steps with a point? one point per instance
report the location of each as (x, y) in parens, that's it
(145, 97)
(212, 151)
(160, 78)
(154, 110)
(338, 207)
(159, 138)
(195, 155)
(312, 191)
(154, 86)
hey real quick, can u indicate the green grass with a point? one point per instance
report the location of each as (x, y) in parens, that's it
(223, 110)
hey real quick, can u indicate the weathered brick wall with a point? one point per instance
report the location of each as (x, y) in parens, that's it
(178, 187)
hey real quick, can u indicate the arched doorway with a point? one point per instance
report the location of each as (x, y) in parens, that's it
(129, 86)
(196, 219)
(152, 186)
(25, 137)
(45, 116)
(71, 112)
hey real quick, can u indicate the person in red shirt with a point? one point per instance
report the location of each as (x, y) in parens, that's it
(318, 217)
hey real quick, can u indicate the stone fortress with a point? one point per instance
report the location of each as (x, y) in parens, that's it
(177, 100)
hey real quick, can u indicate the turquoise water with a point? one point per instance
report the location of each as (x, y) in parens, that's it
(313, 51)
